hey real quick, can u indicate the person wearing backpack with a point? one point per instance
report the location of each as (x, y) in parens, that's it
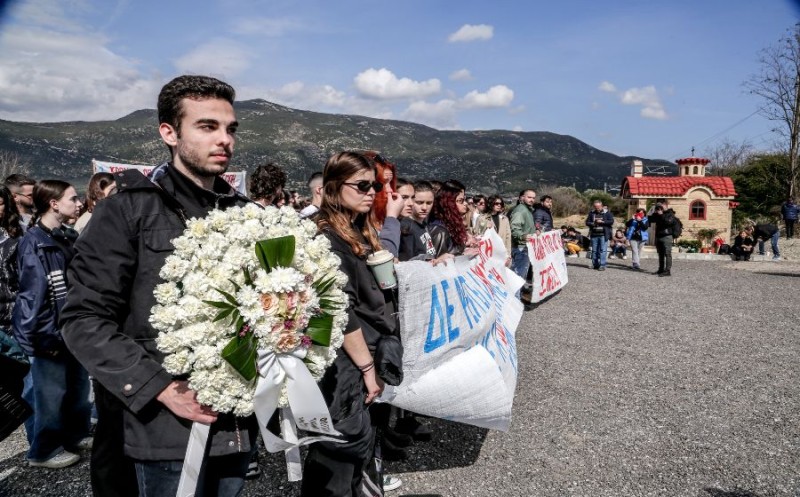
(667, 228)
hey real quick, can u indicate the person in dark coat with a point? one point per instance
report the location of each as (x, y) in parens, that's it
(600, 222)
(351, 383)
(14, 365)
(764, 232)
(542, 215)
(57, 386)
(144, 413)
(743, 246)
(664, 220)
(790, 212)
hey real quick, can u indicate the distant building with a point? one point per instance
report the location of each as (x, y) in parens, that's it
(699, 201)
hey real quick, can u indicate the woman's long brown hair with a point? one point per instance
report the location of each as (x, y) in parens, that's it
(336, 217)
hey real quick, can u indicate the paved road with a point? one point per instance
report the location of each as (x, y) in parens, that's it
(630, 385)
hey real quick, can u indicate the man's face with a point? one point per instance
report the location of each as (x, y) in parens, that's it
(204, 145)
(598, 206)
(548, 203)
(24, 196)
(529, 198)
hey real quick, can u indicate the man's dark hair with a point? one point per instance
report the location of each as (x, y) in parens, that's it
(170, 110)
(313, 177)
(16, 181)
(265, 182)
(541, 200)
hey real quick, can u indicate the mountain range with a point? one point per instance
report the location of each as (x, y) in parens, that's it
(300, 142)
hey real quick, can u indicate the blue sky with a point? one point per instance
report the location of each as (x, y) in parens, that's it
(631, 77)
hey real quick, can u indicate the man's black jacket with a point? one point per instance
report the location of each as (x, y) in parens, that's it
(105, 322)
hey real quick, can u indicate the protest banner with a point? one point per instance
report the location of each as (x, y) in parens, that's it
(548, 265)
(458, 324)
(234, 178)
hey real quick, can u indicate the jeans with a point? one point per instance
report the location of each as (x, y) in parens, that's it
(774, 241)
(790, 228)
(520, 263)
(636, 250)
(599, 251)
(620, 250)
(220, 476)
(664, 248)
(57, 388)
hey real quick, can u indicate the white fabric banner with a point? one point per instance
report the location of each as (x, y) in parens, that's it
(549, 267)
(458, 323)
(234, 178)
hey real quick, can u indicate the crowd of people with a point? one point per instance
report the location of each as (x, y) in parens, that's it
(77, 278)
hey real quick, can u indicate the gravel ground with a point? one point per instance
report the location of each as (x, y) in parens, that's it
(630, 385)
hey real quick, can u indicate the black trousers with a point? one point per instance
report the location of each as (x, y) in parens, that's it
(112, 473)
(664, 249)
(345, 469)
(790, 228)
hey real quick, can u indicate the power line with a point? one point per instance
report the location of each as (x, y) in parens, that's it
(720, 133)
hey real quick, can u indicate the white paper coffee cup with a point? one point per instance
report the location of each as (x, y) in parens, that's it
(382, 265)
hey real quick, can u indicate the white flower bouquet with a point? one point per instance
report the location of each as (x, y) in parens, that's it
(241, 283)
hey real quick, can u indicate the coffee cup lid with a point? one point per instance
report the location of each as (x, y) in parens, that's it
(379, 257)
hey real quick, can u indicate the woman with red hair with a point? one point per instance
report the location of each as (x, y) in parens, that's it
(447, 228)
(386, 173)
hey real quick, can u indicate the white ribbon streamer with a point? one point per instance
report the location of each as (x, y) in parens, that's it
(307, 410)
(193, 461)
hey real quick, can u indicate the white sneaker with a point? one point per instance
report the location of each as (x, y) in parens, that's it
(391, 483)
(60, 460)
(624, 257)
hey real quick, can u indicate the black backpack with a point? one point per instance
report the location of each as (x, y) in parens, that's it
(677, 227)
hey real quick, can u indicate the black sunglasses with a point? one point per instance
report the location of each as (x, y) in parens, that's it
(364, 186)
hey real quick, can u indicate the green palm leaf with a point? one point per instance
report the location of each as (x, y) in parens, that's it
(275, 252)
(319, 329)
(241, 354)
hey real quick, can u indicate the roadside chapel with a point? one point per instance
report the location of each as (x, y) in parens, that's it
(699, 201)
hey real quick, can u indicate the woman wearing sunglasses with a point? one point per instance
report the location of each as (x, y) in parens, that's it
(495, 218)
(351, 383)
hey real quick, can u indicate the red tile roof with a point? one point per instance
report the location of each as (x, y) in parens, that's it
(676, 186)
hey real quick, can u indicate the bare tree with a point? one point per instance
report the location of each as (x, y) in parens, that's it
(778, 84)
(728, 156)
(11, 163)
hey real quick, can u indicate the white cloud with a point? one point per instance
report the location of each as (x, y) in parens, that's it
(382, 84)
(219, 57)
(607, 87)
(461, 75)
(496, 96)
(518, 128)
(48, 75)
(441, 114)
(472, 32)
(648, 98)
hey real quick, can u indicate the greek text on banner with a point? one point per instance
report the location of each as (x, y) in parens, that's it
(458, 324)
(549, 267)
